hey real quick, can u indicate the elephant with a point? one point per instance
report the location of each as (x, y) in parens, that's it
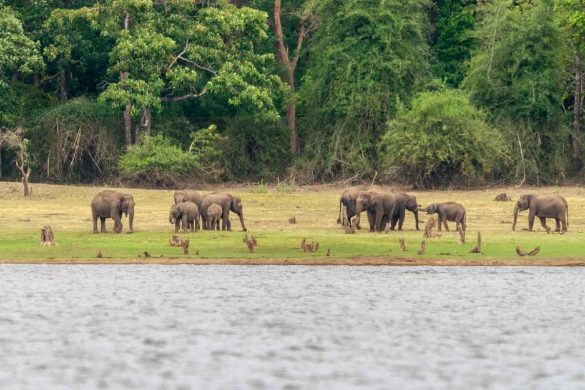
(228, 203)
(448, 211)
(347, 200)
(404, 202)
(213, 216)
(380, 206)
(185, 213)
(188, 195)
(554, 206)
(112, 204)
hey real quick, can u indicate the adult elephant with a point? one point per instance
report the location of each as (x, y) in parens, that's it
(228, 203)
(379, 205)
(112, 204)
(347, 201)
(404, 202)
(449, 211)
(185, 213)
(188, 196)
(554, 206)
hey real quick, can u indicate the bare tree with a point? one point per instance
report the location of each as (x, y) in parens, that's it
(15, 139)
(306, 27)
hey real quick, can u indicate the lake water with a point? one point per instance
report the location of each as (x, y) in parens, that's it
(275, 327)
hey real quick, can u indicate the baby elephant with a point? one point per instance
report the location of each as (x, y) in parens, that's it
(186, 213)
(448, 211)
(214, 212)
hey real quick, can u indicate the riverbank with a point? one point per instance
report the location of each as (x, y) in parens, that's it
(267, 211)
(360, 261)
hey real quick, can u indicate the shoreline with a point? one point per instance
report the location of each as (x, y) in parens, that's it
(360, 261)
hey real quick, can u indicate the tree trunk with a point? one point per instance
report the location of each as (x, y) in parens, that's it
(64, 84)
(25, 176)
(128, 124)
(291, 117)
(290, 66)
(576, 158)
(144, 125)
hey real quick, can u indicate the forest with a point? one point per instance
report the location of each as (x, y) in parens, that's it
(428, 93)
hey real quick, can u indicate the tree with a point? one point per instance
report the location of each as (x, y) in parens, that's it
(572, 20)
(168, 52)
(442, 141)
(452, 40)
(14, 139)
(517, 74)
(18, 53)
(365, 57)
(306, 25)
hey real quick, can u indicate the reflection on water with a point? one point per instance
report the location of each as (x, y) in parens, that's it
(206, 327)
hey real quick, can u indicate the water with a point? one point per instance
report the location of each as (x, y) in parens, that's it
(227, 327)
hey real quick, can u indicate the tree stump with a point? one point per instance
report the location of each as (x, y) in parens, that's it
(477, 248)
(430, 225)
(185, 245)
(47, 238)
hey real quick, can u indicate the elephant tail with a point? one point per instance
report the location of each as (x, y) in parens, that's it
(567, 214)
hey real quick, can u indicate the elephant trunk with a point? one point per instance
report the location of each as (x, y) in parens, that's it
(131, 219)
(241, 215)
(516, 209)
(171, 218)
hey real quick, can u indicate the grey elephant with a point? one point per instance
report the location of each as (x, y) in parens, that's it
(448, 211)
(188, 195)
(228, 203)
(554, 206)
(404, 202)
(213, 217)
(347, 201)
(379, 205)
(185, 213)
(112, 204)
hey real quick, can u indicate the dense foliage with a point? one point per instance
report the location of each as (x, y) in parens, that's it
(430, 92)
(443, 140)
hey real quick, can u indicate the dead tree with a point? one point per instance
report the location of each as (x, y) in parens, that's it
(523, 253)
(15, 139)
(477, 248)
(47, 238)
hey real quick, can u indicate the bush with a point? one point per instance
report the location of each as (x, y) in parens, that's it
(442, 141)
(156, 161)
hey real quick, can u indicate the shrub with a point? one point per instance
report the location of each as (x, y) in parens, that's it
(442, 141)
(158, 162)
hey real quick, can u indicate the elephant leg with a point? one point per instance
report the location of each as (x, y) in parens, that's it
(558, 225)
(531, 217)
(102, 224)
(564, 224)
(439, 223)
(371, 220)
(192, 226)
(177, 225)
(95, 218)
(446, 226)
(401, 219)
(185, 222)
(543, 223)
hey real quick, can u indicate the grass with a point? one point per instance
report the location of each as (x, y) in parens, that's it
(66, 209)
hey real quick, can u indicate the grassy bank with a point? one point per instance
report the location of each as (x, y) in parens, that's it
(267, 211)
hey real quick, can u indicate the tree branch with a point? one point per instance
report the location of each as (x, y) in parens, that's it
(183, 97)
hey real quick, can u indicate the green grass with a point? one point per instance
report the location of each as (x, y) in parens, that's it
(66, 209)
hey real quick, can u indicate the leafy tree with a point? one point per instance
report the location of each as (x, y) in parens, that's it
(365, 57)
(157, 161)
(452, 38)
(572, 20)
(442, 141)
(517, 74)
(18, 53)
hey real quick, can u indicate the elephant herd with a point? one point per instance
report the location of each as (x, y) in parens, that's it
(386, 209)
(190, 211)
